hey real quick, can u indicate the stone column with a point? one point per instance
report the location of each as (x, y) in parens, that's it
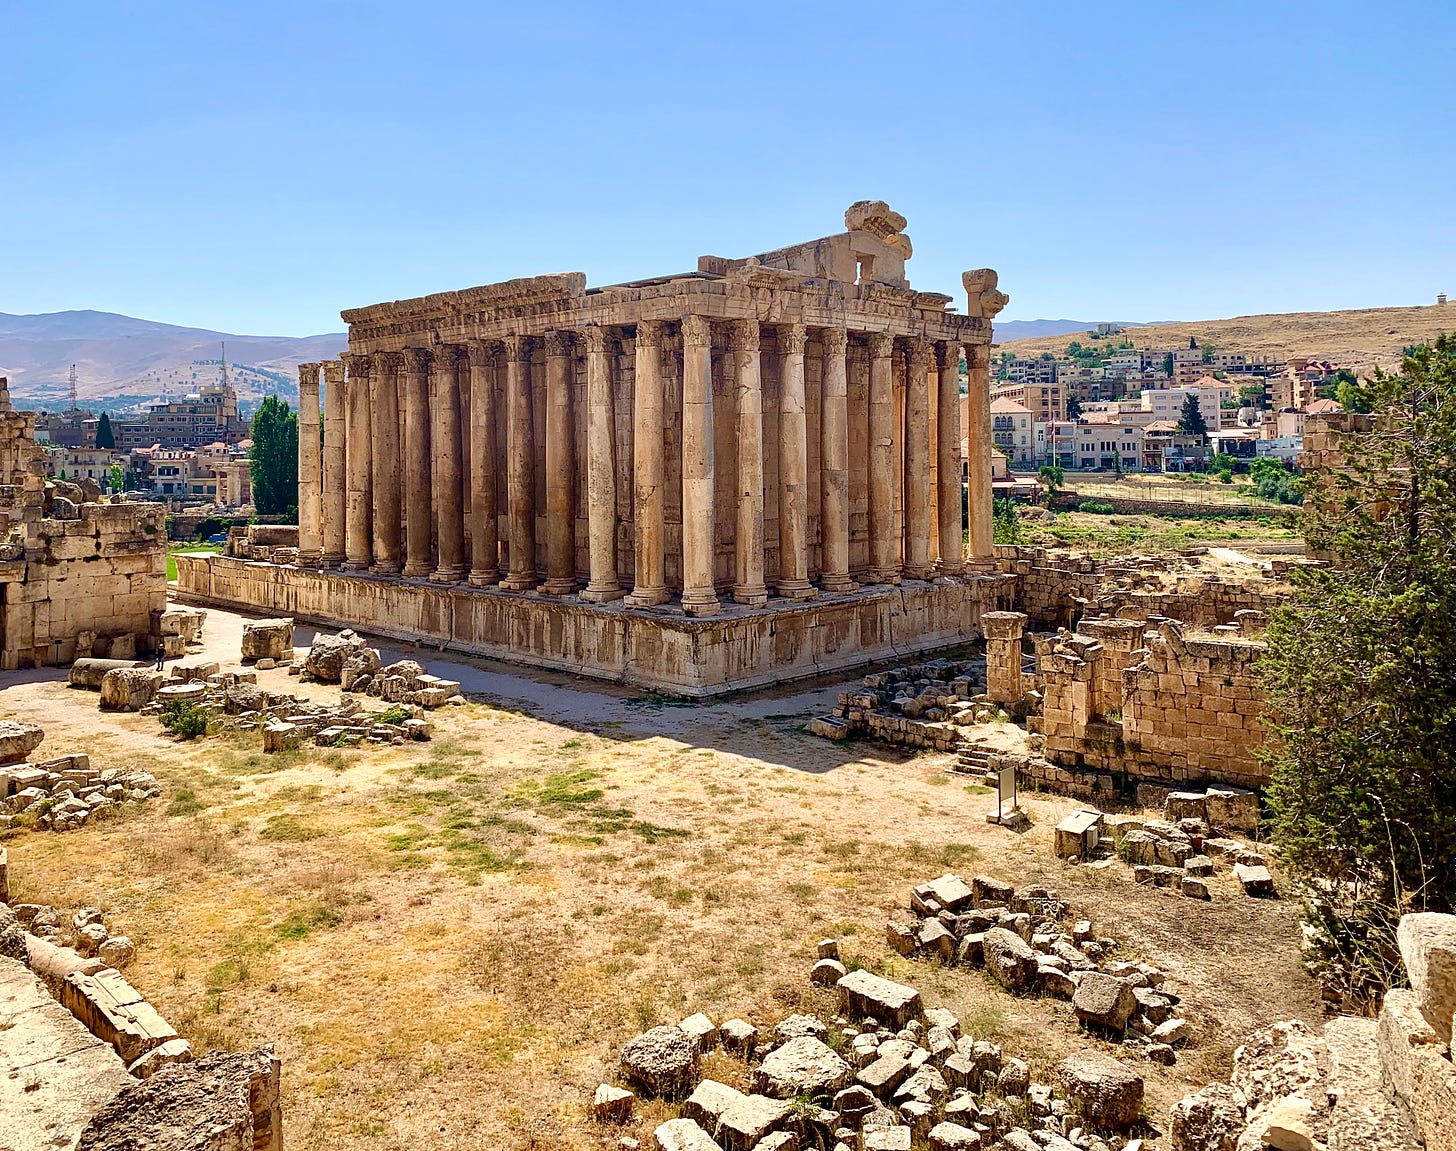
(948, 462)
(358, 543)
(1003, 631)
(917, 461)
(521, 466)
(882, 447)
(418, 516)
(834, 465)
(748, 585)
(310, 474)
(793, 468)
(698, 597)
(484, 516)
(601, 469)
(445, 463)
(650, 577)
(978, 448)
(335, 498)
(384, 427)
(560, 468)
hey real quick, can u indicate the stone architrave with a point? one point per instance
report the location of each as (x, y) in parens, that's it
(650, 579)
(484, 515)
(948, 458)
(834, 465)
(748, 585)
(917, 461)
(881, 463)
(418, 517)
(601, 470)
(384, 426)
(698, 597)
(335, 494)
(358, 540)
(560, 468)
(310, 474)
(446, 485)
(793, 581)
(521, 465)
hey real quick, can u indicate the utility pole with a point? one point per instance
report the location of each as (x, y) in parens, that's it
(73, 388)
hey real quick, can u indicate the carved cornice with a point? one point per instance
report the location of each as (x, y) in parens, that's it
(792, 338)
(416, 360)
(882, 345)
(697, 331)
(649, 334)
(743, 336)
(835, 341)
(558, 344)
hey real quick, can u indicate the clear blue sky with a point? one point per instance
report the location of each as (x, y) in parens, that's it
(256, 166)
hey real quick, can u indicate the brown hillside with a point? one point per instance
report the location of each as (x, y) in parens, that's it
(1358, 339)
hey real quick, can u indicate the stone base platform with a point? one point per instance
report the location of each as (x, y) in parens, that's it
(657, 648)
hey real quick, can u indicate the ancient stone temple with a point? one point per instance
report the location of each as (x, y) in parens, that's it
(697, 482)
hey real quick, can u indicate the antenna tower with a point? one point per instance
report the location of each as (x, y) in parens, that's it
(73, 388)
(224, 364)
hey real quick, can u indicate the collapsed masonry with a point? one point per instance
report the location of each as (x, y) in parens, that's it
(79, 573)
(61, 793)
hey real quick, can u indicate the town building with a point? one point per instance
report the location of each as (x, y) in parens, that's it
(208, 415)
(1045, 401)
(1014, 432)
(81, 463)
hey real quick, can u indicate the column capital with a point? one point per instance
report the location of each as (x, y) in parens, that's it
(948, 353)
(416, 359)
(594, 336)
(792, 338)
(558, 343)
(308, 374)
(835, 340)
(358, 363)
(333, 371)
(387, 362)
(518, 348)
(481, 352)
(697, 331)
(978, 356)
(649, 333)
(920, 350)
(445, 357)
(743, 336)
(882, 344)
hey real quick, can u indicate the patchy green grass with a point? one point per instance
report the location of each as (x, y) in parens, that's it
(288, 828)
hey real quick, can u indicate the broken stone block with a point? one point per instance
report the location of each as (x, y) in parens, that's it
(1427, 942)
(663, 1061)
(1009, 960)
(936, 941)
(1172, 1032)
(89, 938)
(172, 1051)
(1210, 1120)
(128, 689)
(951, 891)
(1104, 1000)
(986, 891)
(1055, 982)
(117, 952)
(801, 1066)
(1014, 1078)
(885, 1074)
(18, 740)
(1256, 880)
(738, 1036)
(1198, 865)
(942, 1017)
(886, 1139)
(1106, 1091)
(683, 1135)
(953, 1137)
(828, 949)
(892, 1004)
(1194, 888)
(1184, 805)
(612, 1104)
(793, 1026)
(1231, 809)
(702, 1030)
(267, 639)
(827, 972)
(900, 937)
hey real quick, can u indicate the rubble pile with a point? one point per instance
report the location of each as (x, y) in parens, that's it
(884, 1074)
(62, 793)
(1020, 937)
(921, 704)
(1191, 841)
(346, 659)
(87, 933)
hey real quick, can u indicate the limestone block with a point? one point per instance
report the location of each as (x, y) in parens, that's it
(1210, 1120)
(18, 740)
(1009, 960)
(612, 1104)
(663, 1061)
(1106, 1090)
(1416, 1067)
(129, 689)
(865, 994)
(89, 672)
(1104, 1000)
(802, 1066)
(1427, 943)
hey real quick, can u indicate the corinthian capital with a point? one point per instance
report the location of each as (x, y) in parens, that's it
(558, 344)
(387, 363)
(358, 363)
(595, 339)
(882, 345)
(446, 357)
(333, 371)
(836, 341)
(518, 347)
(416, 360)
(308, 375)
(697, 331)
(481, 353)
(978, 357)
(744, 336)
(649, 333)
(791, 339)
(920, 355)
(948, 354)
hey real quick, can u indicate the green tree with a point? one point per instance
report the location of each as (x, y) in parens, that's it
(116, 478)
(1074, 407)
(105, 437)
(1005, 526)
(1168, 364)
(1252, 396)
(1361, 699)
(273, 460)
(1353, 397)
(1191, 421)
(1052, 476)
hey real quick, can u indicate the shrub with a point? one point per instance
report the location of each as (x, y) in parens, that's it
(395, 715)
(184, 719)
(1096, 507)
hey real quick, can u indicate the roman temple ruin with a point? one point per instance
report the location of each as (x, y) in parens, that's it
(698, 482)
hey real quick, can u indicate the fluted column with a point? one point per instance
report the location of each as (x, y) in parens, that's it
(834, 464)
(446, 480)
(601, 469)
(698, 597)
(484, 515)
(793, 468)
(336, 486)
(384, 427)
(978, 448)
(917, 461)
(948, 461)
(882, 445)
(418, 515)
(521, 468)
(358, 541)
(560, 468)
(748, 584)
(310, 474)
(649, 585)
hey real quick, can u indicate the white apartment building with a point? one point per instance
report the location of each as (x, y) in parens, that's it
(1013, 431)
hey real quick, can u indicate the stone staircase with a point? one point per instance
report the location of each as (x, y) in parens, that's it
(975, 759)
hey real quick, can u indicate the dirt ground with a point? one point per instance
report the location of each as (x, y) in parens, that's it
(449, 942)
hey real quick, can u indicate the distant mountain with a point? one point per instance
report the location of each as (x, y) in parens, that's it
(1040, 329)
(122, 361)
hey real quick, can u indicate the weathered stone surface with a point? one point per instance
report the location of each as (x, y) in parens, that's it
(267, 639)
(953, 1137)
(1108, 1093)
(702, 1030)
(1427, 943)
(735, 1120)
(328, 653)
(793, 1026)
(662, 1061)
(986, 891)
(683, 1135)
(801, 1066)
(827, 972)
(1009, 959)
(18, 740)
(1210, 1120)
(12, 936)
(885, 1074)
(612, 1104)
(172, 1051)
(738, 1036)
(88, 672)
(893, 1004)
(952, 891)
(128, 689)
(117, 951)
(1414, 1066)
(900, 937)
(886, 1139)
(1104, 1000)
(1256, 880)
